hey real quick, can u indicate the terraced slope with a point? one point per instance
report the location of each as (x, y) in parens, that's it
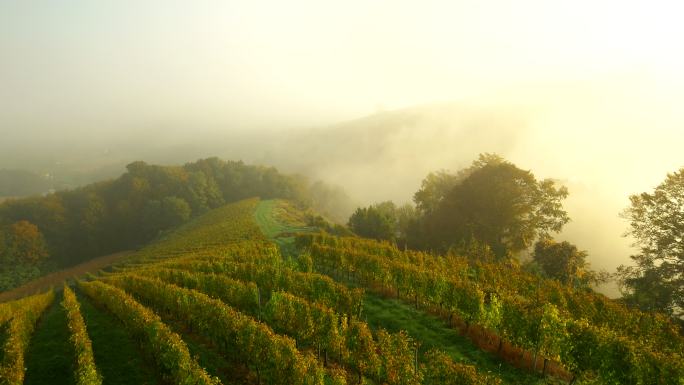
(393, 315)
(247, 294)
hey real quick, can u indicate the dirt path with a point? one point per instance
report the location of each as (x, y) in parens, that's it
(57, 278)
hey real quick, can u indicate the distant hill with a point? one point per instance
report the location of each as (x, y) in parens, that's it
(400, 146)
(381, 156)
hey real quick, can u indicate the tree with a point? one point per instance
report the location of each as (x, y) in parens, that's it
(561, 261)
(405, 215)
(437, 185)
(165, 214)
(656, 222)
(433, 189)
(375, 221)
(496, 203)
(383, 220)
(25, 243)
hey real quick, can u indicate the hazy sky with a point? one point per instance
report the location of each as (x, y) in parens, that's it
(597, 86)
(112, 63)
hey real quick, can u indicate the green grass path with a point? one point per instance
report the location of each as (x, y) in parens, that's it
(117, 356)
(273, 229)
(50, 355)
(263, 214)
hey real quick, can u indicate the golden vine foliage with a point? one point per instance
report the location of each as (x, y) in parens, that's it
(86, 371)
(168, 349)
(19, 333)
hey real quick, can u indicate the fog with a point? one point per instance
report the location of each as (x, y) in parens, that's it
(369, 95)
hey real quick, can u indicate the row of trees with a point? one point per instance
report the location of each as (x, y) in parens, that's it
(492, 201)
(499, 207)
(492, 206)
(75, 225)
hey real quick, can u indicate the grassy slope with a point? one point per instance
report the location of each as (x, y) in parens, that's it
(116, 355)
(120, 361)
(394, 315)
(267, 223)
(206, 232)
(215, 228)
(278, 220)
(50, 356)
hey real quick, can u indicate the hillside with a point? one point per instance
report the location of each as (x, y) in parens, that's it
(248, 294)
(403, 145)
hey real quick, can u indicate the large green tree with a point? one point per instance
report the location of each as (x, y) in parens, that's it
(375, 221)
(23, 251)
(496, 203)
(24, 244)
(656, 222)
(160, 215)
(433, 189)
(384, 220)
(562, 261)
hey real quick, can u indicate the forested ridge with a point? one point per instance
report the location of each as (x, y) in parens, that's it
(40, 234)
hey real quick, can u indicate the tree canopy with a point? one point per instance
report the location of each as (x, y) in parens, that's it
(656, 223)
(384, 220)
(23, 243)
(433, 189)
(493, 202)
(562, 261)
(123, 213)
(375, 221)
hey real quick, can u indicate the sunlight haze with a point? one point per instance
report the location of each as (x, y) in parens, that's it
(586, 92)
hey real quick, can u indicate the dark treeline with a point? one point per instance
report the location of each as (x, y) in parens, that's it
(492, 210)
(68, 227)
(492, 202)
(495, 211)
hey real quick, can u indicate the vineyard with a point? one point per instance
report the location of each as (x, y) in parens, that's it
(247, 294)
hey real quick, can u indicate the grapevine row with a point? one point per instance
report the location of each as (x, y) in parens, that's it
(86, 371)
(497, 277)
(311, 325)
(269, 278)
(274, 358)
(317, 326)
(524, 323)
(19, 333)
(9, 309)
(167, 348)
